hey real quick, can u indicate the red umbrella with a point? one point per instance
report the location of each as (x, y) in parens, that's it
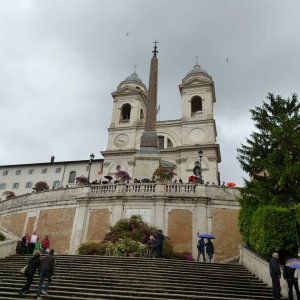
(231, 184)
(193, 179)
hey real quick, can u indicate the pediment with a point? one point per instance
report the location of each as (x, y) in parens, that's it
(196, 81)
(127, 90)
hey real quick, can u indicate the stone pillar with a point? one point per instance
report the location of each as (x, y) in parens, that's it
(78, 228)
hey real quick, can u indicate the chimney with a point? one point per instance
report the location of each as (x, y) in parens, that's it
(52, 159)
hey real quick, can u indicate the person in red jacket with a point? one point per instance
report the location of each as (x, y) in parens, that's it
(45, 244)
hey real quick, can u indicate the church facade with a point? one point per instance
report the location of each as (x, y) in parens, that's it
(179, 141)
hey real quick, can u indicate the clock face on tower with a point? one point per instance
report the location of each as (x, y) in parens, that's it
(121, 140)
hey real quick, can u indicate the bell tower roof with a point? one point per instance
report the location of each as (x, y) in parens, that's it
(197, 70)
(134, 77)
(133, 80)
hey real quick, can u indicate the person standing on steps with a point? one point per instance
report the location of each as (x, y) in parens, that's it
(151, 246)
(159, 243)
(289, 275)
(32, 265)
(33, 239)
(45, 244)
(275, 274)
(46, 271)
(201, 249)
(210, 250)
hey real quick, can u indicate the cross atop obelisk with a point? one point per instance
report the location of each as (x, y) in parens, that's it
(149, 137)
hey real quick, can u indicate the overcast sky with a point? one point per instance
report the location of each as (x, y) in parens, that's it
(60, 60)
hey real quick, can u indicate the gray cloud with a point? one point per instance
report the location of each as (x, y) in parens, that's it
(60, 61)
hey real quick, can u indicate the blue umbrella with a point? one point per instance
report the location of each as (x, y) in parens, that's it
(206, 236)
(293, 263)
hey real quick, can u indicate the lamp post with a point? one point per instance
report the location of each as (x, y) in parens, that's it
(291, 204)
(200, 180)
(92, 156)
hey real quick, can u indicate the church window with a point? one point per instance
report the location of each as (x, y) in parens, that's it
(30, 171)
(72, 177)
(5, 173)
(28, 185)
(141, 115)
(44, 171)
(164, 142)
(161, 141)
(2, 186)
(18, 172)
(196, 106)
(57, 170)
(125, 113)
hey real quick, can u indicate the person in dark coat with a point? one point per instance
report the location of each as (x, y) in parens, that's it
(275, 274)
(32, 265)
(288, 274)
(46, 271)
(25, 243)
(151, 246)
(201, 249)
(159, 237)
(210, 249)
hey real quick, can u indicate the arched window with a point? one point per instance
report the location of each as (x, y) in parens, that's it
(164, 142)
(125, 113)
(196, 106)
(72, 177)
(169, 143)
(161, 141)
(141, 116)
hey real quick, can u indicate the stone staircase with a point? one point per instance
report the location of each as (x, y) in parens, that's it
(98, 277)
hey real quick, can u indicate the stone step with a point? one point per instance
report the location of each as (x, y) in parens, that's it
(99, 277)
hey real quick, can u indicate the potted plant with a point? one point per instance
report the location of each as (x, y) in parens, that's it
(162, 174)
(41, 186)
(81, 180)
(123, 176)
(9, 195)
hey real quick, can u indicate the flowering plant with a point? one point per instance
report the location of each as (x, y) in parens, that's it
(41, 186)
(163, 174)
(9, 194)
(123, 175)
(82, 179)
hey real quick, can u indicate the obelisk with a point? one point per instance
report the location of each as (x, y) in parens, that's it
(148, 158)
(149, 137)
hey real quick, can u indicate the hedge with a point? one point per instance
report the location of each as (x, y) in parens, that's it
(272, 229)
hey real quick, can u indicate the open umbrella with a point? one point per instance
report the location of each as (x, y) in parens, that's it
(231, 184)
(206, 236)
(193, 179)
(293, 263)
(108, 177)
(145, 180)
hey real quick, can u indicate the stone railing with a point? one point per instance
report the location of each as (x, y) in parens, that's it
(219, 196)
(9, 245)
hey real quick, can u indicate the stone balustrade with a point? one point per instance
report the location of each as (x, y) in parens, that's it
(70, 196)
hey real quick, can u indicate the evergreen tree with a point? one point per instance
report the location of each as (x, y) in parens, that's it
(272, 153)
(271, 157)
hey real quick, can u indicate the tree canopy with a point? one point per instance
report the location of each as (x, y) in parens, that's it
(272, 153)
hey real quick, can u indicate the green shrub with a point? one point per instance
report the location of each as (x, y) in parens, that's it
(245, 223)
(2, 237)
(92, 248)
(272, 230)
(124, 247)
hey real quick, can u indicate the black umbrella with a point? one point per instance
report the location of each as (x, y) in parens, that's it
(145, 180)
(108, 177)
